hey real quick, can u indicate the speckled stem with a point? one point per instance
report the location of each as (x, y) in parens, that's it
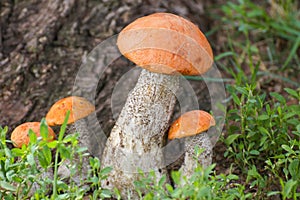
(90, 138)
(136, 140)
(205, 158)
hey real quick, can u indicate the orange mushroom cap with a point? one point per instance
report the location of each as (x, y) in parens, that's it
(191, 123)
(79, 108)
(166, 43)
(20, 135)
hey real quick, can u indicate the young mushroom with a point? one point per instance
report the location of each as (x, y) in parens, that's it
(165, 46)
(20, 136)
(189, 126)
(79, 108)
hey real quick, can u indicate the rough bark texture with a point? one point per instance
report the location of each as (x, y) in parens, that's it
(42, 44)
(204, 159)
(136, 140)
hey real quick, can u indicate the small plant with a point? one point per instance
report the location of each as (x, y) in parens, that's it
(262, 126)
(265, 134)
(27, 172)
(203, 184)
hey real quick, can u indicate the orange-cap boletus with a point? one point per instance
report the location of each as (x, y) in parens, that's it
(192, 126)
(79, 108)
(191, 123)
(20, 136)
(166, 43)
(165, 46)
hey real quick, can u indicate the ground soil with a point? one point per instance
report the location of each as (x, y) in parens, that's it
(42, 44)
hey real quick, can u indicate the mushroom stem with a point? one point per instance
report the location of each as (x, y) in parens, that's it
(190, 160)
(136, 140)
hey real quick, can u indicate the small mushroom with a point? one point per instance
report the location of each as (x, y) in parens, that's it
(79, 108)
(20, 136)
(192, 126)
(165, 46)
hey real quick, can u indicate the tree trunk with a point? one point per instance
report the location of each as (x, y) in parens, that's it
(136, 140)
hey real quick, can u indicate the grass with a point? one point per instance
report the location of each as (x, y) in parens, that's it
(262, 125)
(262, 132)
(25, 172)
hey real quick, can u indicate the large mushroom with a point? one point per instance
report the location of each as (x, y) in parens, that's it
(165, 45)
(189, 126)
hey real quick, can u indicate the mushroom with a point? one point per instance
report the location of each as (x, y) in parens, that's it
(79, 108)
(165, 46)
(20, 136)
(189, 126)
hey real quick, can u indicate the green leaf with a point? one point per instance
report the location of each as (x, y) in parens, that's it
(32, 136)
(225, 54)
(64, 151)
(62, 185)
(292, 92)
(52, 144)
(294, 169)
(44, 129)
(148, 196)
(263, 117)
(263, 130)
(82, 149)
(288, 186)
(254, 152)
(236, 99)
(289, 115)
(63, 127)
(7, 186)
(18, 152)
(162, 181)
(7, 152)
(273, 193)
(242, 90)
(278, 97)
(176, 175)
(263, 140)
(105, 171)
(288, 149)
(46, 152)
(176, 193)
(169, 188)
(231, 138)
(105, 193)
(30, 159)
(70, 138)
(232, 177)
(293, 52)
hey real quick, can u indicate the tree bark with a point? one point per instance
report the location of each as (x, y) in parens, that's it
(136, 140)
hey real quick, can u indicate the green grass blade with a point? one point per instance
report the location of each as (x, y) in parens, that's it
(292, 53)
